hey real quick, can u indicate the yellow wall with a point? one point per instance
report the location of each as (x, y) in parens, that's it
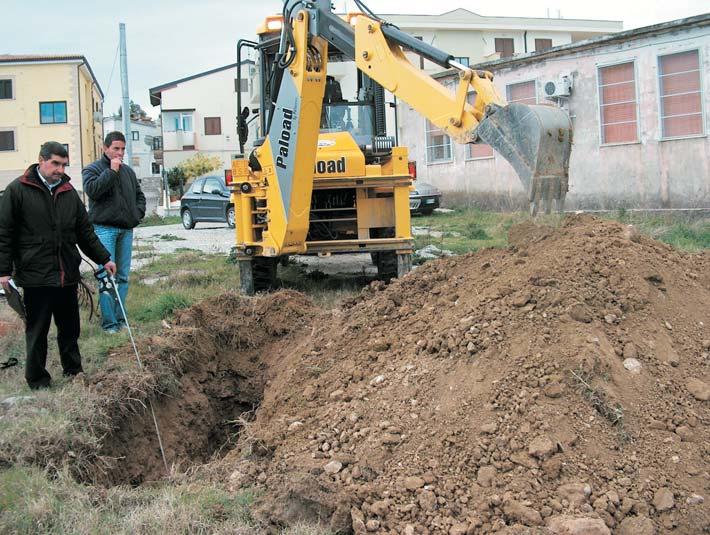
(34, 83)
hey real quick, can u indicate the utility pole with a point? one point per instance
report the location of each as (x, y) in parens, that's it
(126, 106)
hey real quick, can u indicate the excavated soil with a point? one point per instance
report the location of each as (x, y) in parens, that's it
(558, 386)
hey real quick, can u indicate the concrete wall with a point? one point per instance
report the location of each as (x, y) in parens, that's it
(651, 173)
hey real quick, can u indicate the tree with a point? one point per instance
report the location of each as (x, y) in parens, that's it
(137, 113)
(199, 165)
(176, 179)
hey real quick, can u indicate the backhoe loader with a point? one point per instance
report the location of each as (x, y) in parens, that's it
(326, 178)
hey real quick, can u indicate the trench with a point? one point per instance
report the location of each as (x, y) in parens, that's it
(198, 422)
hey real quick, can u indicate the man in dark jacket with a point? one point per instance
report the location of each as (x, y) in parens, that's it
(116, 206)
(42, 220)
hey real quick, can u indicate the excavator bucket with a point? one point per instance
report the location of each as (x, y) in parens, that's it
(536, 140)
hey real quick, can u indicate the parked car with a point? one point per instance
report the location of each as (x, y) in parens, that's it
(207, 199)
(424, 198)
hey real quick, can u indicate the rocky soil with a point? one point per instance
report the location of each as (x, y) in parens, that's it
(560, 386)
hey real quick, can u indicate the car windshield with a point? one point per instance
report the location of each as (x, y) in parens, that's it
(357, 119)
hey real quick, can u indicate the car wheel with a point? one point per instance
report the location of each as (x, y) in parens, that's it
(187, 221)
(427, 212)
(230, 217)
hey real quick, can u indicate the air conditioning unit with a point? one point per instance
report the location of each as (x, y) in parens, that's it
(560, 87)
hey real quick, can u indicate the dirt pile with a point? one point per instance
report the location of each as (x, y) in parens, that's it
(558, 386)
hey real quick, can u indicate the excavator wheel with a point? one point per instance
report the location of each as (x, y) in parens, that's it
(264, 273)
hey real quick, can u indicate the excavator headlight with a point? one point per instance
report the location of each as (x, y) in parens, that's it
(274, 24)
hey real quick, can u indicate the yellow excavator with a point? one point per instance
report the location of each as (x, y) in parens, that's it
(325, 178)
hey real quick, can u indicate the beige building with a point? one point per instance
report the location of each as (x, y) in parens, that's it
(48, 98)
(473, 38)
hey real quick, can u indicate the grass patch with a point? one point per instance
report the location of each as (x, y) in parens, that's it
(154, 220)
(682, 231)
(170, 237)
(32, 502)
(164, 306)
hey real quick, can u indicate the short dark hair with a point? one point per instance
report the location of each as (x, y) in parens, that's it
(52, 147)
(113, 136)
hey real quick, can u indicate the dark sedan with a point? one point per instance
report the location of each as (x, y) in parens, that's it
(424, 198)
(206, 200)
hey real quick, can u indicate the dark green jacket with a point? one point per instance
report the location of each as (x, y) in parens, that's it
(39, 232)
(115, 199)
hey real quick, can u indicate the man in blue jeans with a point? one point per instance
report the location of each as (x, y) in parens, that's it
(116, 206)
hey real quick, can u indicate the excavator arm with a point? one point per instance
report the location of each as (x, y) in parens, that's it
(275, 186)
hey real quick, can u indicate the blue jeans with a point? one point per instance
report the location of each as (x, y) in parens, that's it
(119, 243)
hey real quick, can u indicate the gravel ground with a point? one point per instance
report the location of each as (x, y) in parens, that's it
(218, 238)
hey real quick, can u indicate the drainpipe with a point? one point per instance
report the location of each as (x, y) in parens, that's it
(81, 133)
(525, 40)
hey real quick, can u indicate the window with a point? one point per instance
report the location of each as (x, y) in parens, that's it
(505, 47)
(524, 92)
(135, 135)
(52, 112)
(7, 140)
(186, 122)
(542, 44)
(617, 102)
(6, 89)
(463, 60)
(243, 84)
(155, 168)
(196, 186)
(66, 148)
(438, 144)
(681, 98)
(158, 143)
(211, 184)
(477, 151)
(213, 126)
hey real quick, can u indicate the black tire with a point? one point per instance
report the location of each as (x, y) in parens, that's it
(264, 273)
(427, 212)
(386, 265)
(230, 216)
(187, 220)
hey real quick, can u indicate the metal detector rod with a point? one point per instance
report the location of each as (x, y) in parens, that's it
(140, 365)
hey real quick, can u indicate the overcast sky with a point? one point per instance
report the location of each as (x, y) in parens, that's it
(168, 40)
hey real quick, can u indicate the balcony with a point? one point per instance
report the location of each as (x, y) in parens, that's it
(179, 140)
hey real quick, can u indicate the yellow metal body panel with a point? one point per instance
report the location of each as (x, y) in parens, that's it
(338, 155)
(386, 63)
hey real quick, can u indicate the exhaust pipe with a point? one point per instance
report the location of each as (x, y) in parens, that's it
(536, 140)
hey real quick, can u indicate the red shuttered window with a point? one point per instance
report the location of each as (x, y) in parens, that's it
(524, 93)
(617, 100)
(477, 151)
(681, 97)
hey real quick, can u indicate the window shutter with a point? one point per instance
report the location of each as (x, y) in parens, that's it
(617, 98)
(477, 150)
(523, 93)
(681, 99)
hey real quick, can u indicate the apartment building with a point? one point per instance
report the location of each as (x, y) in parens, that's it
(474, 38)
(199, 113)
(48, 98)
